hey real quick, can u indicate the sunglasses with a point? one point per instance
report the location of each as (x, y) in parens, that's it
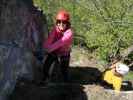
(61, 21)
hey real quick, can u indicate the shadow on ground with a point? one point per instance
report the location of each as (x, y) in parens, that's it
(84, 75)
(26, 90)
(49, 92)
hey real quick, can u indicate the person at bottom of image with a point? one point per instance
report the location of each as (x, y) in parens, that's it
(114, 75)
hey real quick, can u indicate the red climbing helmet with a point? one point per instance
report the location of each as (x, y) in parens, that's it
(63, 15)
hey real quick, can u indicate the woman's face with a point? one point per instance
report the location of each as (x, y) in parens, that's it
(62, 25)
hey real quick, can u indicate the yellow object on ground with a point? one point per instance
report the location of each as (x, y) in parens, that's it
(115, 80)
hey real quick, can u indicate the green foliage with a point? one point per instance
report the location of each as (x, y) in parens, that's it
(103, 26)
(129, 76)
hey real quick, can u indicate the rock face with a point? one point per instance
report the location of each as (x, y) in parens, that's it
(21, 32)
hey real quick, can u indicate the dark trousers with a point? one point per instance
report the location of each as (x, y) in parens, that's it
(63, 64)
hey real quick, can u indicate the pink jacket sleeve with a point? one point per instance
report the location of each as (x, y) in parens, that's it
(66, 39)
(50, 39)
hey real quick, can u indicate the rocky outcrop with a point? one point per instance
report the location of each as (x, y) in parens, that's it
(22, 29)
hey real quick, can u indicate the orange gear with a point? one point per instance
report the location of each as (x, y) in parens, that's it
(63, 15)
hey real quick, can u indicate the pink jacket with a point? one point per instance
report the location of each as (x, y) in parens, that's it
(59, 43)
